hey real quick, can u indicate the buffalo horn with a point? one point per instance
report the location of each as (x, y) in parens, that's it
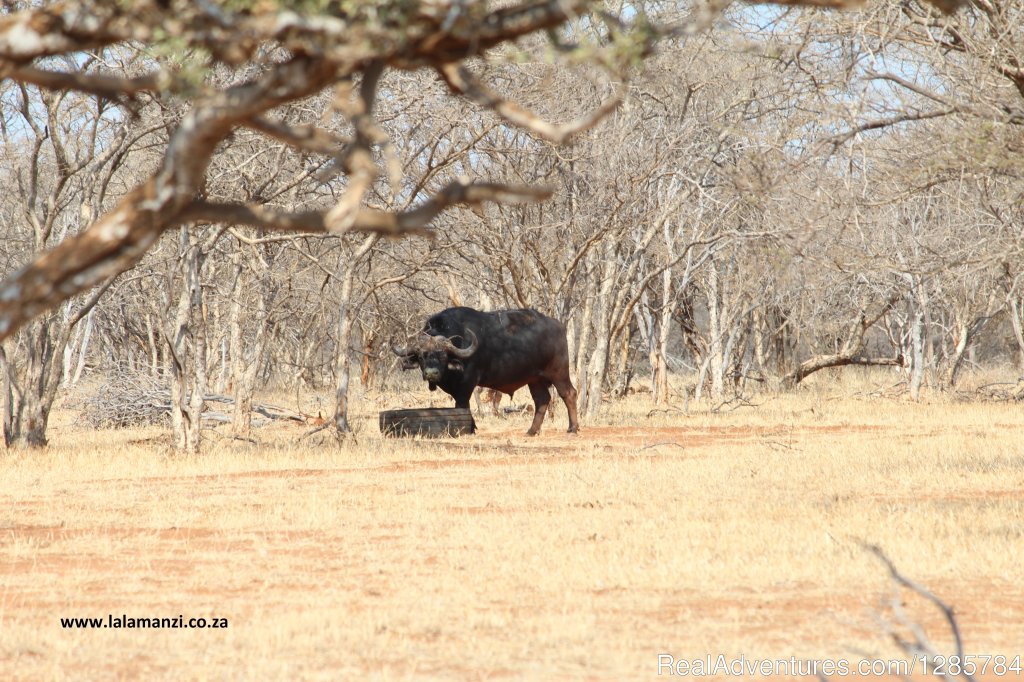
(463, 353)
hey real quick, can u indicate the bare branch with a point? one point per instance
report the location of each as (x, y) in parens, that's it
(462, 81)
(306, 137)
(44, 31)
(121, 238)
(93, 84)
(910, 85)
(878, 124)
(358, 158)
(921, 646)
(850, 352)
(412, 222)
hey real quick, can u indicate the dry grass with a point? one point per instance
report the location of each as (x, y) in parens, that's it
(499, 556)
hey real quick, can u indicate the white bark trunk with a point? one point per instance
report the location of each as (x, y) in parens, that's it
(916, 353)
(602, 319)
(346, 317)
(716, 351)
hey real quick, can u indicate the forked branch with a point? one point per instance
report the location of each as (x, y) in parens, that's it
(850, 353)
(462, 81)
(305, 137)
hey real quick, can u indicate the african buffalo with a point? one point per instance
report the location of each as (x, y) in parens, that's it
(462, 348)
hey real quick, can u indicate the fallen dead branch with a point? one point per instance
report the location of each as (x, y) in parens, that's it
(666, 411)
(734, 404)
(1002, 391)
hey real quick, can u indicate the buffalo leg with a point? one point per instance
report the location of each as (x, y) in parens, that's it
(567, 392)
(462, 400)
(541, 393)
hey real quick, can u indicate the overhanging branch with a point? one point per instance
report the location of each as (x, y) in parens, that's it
(415, 221)
(102, 85)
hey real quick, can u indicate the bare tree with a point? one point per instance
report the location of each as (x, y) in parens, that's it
(186, 335)
(754, 208)
(277, 57)
(61, 151)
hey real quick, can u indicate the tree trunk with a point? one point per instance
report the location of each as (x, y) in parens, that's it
(84, 348)
(716, 351)
(7, 396)
(1016, 311)
(582, 343)
(602, 319)
(343, 361)
(346, 320)
(187, 371)
(154, 347)
(35, 386)
(364, 373)
(916, 352)
(661, 354)
(198, 378)
(624, 366)
(33, 410)
(963, 339)
(570, 337)
(246, 354)
(969, 323)
(34, 416)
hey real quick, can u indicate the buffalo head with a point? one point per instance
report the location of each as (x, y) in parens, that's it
(435, 355)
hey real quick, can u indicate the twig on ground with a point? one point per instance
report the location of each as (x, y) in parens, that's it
(734, 404)
(667, 442)
(665, 410)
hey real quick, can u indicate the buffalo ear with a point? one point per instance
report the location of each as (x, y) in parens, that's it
(455, 365)
(410, 362)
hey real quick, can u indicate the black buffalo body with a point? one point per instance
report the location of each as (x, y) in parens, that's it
(462, 348)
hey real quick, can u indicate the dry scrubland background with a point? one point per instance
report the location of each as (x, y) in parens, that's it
(497, 556)
(781, 191)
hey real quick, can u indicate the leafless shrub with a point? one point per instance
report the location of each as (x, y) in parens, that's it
(1001, 391)
(126, 399)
